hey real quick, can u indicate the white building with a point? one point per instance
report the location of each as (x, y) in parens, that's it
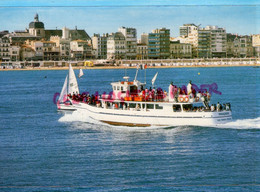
(80, 50)
(99, 45)
(14, 53)
(63, 44)
(218, 41)
(190, 33)
(116, 46)
(256, 44)
(131, 41)
(144, 39)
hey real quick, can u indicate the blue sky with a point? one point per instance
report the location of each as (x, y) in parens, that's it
(103, 16)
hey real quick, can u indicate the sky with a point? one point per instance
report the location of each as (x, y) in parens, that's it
(106, 16)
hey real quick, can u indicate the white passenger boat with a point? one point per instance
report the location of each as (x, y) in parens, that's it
(133, 105)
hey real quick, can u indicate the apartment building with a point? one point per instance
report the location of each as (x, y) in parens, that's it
(190, 33)
(99, 45)
(116, 46)
(142, 51)
(131, 41)
(159, 44)
(180, 50)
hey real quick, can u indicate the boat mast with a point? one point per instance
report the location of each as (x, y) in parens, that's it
(136, 73)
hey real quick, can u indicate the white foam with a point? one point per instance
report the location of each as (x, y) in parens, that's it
(242, 124)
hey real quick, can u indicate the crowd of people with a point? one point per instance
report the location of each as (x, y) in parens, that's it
(176, 92)
(86, 98)
(212, 108)
(219, 107)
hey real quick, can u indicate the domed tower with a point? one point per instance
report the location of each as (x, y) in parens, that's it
(36, 27)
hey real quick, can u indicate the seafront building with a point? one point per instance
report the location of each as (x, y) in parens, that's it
(218, 41)
(144, 39)
(204, 43)
(80, 50)
(99, 45)
(5, 49)
(256, 44)
(180, 50)
(39, 44)
(130, 41)
(142, 51)
(116, 46)
(159, 44)
(189, 34)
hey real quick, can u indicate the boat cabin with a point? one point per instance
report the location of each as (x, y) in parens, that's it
(124, 89)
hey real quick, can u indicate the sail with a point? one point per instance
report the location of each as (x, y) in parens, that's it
(73, 84)
(81, 73)
(64, 91)
(154, 78)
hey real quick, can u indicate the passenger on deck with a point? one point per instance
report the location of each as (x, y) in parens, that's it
(218, 107)
(137, 107)
(212, 108)
(228, 106)
(171, 96)
(189, 88)
(208, 95)
(165, 93)
(194, 93)
(179, 91)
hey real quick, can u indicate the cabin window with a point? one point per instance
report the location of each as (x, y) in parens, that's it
(143, 106)
(158, 106)
(114, 87)
(133, 89)
(121, 88)
(150, 106)
(187, 107)
(132, 105)
(118, 88)
(176, 108)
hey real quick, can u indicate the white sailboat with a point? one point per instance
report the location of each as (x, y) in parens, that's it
(64, 91)
(70, 86)
(81, 73)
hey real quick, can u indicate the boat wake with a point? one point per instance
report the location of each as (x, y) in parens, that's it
(77, 116)
(241, 124)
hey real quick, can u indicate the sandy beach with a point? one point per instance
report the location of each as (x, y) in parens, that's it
(124, 67)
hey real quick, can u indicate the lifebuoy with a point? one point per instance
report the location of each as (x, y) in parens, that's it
(180, 99)
(186, 99)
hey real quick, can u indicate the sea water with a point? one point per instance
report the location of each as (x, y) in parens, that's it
(44, 150)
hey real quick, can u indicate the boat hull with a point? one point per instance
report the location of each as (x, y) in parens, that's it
(65, 107)
(153, 118)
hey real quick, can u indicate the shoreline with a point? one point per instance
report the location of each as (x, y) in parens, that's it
(123, 67)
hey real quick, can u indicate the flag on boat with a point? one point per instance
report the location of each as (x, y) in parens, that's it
(154, 78)
(81, 73)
